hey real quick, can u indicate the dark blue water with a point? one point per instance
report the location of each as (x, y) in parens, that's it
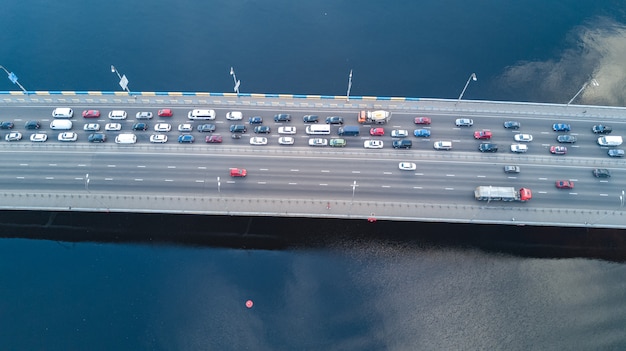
(344, 294)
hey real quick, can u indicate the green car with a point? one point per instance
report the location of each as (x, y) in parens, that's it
(338, 142)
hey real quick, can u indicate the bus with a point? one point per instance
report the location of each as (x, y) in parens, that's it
(315, 129)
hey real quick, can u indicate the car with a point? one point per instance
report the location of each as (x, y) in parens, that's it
(442, 145)
(238, 128)
(185, 127)
(399, 133)
(206, 128)
(235, 136)
(13, 136)
(311, 119)
(32, 125)
(165, 112)
(402, 144)
(62, 112)
(601, 129)
(488, 147)
(564, 184)
(616, 153)
(140, 126)
(255, 120)
(287, 130)
(421, 133)
(464, 122)
(511, 169)
(286, 140)
(91, 114)
(213, 139)
(143, 115)
(258, 141)
(238, 172)
(117, 114)
(523, 138)
(162, 127)
(561, 127)
(519, 148)
(6, 125)
(318, 142)
(377, 131)
(334, 120)
(39, 137)
(234, 116)
(112, 127)
(282, 117)
(337, 142)
(407, 166)
(186, 138)
(158, 138)
(422, 120)
(566, 138)
(373, 144)
(97, 138)
(68, 136)
(601, 173)
(262, 129)
(91, 127)
(512, 125)
(558, 150)
(483, 134)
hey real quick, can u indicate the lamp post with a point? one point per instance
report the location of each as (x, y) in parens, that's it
(349, 86)
(471, 77)
(237, 82)
(593, 83)
(13, 78)
(123, 80)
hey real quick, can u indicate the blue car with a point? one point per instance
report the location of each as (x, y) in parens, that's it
(185, 138)
(255, 120)
(561, 127)
(421, 133)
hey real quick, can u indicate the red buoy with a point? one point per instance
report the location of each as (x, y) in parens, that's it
(249, 303)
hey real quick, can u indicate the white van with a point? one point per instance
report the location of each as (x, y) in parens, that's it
(442, 145)
(610, 140)
(62, 112)
(127, 138)
(201, 114)
(117, 114)
(61, 124)
(315, 129)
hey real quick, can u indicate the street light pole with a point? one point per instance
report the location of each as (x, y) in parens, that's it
(13, 78)
(349, 86)
(593, 83)
(237, 82)
(471, 77)
(123, 80)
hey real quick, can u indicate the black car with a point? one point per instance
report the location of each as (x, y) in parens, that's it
(207, 128)
(32, 125)
(601, 129)
(238, 128)
(402, 144)
(262, 129)
(255, 120)
(512, 125)
(488, 147)
(601, 173)
(334, 120)
(282, 117)
(97, 138)
(311, 119)
(6, 125)
(140, 126)
(566, 138)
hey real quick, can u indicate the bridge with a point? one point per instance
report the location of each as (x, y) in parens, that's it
(304, 181)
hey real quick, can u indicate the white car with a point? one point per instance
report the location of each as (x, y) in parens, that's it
(158, 138)
(68, 136)
(373, 144)
(113, 127)
(464, 122)
(258, 141)
(185, 127)
(117, 114)
(399, 133)
(286, 140)
(234, 116)
(523, 137)
(162, 127)
(407, 166)
(318, 142)
(91, 127)
(287, 130)
(519, 148)
(13, 136)
(39, 137)
(143, 115)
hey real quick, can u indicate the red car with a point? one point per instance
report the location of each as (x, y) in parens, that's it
(422, 120)
(213, 139)
(564, 184)
(558, 150)
(91, 114)
(238, 172)
(377, 131)
(166, 112)
(482, 134)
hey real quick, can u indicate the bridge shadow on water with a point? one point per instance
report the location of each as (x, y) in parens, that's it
(277, 233)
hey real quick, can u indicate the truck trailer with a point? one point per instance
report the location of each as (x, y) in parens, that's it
(502, 193)
(378, 117)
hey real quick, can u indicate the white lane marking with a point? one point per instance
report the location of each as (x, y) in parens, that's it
(419, 173)
(387, 173)
(293, 183)
(543, 192)
(604, 181)
(49, 177)
(78, 178)
(108, 178)
(323, 184)
(23, 164)
(385, 186)
(356, 171)
(201, 167)
(141, 166)
(199, 181)
(20, 177)
(294, 170)
(263, 169)
(82, 165)
(112, 166)
(449, 188)
(449, 175)
(52, 164)
(573, 193)
(325, 171)
(512, 177)
(417, 187)
(138, 180)
(543, 178)
(481, 176)
(604, 194)
(261, 182)
(169, 180)
(171, 166)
